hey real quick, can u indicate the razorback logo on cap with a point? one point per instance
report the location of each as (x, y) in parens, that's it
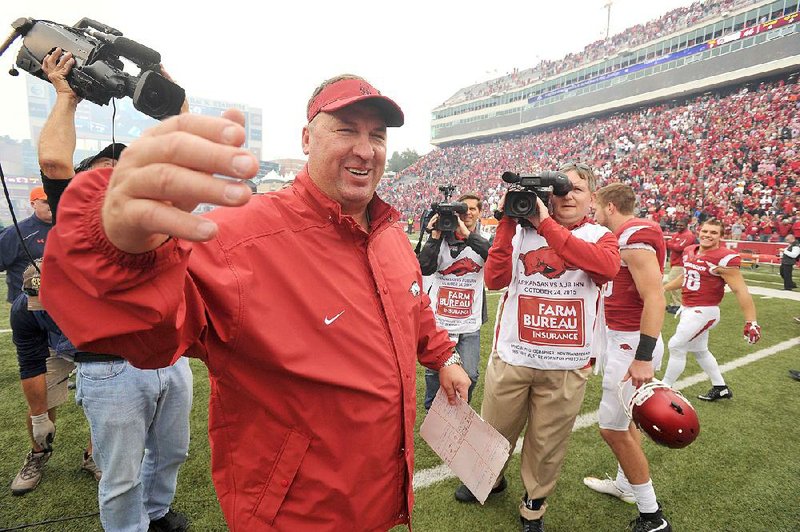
(462, 267)
(544, 261)
(348, 91)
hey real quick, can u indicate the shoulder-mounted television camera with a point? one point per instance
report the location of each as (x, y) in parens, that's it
(522, 203)
(448, 211)
(98, 74)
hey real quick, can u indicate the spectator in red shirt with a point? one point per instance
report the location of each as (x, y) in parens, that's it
(679, 241)
(783, 227)
(796, 227)
(753, 229)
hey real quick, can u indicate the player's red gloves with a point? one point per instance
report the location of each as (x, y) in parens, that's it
(752, 332)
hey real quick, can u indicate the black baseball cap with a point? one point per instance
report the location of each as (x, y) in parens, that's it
(112, 151)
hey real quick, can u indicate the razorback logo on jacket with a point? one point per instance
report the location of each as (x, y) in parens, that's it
(462, 267)
(544, 261)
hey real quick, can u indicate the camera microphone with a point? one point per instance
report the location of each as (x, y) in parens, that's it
(138, 53)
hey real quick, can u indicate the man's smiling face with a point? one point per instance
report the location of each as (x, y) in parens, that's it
(347, 154)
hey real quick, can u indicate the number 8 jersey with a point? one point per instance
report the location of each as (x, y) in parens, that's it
(702, 286)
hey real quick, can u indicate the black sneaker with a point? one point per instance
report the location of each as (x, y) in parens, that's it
(532, 525)
(464, 495)
(795, 374)
(654, 522)
(717, 392)
(171, 522)
(672, 309)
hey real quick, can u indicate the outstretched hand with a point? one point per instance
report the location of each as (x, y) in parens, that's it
(162, 177)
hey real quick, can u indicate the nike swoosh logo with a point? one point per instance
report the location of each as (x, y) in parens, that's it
(328, 321)
(662, 526)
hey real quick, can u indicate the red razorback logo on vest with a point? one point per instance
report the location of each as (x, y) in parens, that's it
(544, 261)
(462, 267)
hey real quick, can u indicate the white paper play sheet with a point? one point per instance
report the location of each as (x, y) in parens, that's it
(472, 448)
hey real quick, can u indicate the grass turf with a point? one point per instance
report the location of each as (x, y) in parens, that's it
(741, 474)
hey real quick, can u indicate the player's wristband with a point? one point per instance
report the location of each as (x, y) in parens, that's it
(647, 345)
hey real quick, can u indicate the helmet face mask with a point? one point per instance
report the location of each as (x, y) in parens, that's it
(663, 414)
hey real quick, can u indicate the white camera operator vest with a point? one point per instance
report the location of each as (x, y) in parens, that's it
(547, 317)
(456, 290)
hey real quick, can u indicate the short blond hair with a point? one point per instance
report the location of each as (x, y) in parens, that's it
(584, 171)
(620, 194)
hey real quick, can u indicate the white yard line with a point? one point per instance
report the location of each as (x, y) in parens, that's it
(428, 477)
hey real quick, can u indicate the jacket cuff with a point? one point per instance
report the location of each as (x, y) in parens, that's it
(169, 252)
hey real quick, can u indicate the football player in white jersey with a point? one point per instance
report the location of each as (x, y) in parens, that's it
(634, 303)
(707, 268)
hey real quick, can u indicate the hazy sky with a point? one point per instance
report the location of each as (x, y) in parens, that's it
(273, 55)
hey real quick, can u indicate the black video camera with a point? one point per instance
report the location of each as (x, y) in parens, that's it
(448, 211)
(98, 73)
(522, 203)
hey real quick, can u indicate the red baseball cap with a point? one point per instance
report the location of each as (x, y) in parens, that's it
(346, 92)
(38, 193)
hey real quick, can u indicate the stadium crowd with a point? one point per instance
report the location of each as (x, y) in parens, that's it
(677, 19)
(730, 155)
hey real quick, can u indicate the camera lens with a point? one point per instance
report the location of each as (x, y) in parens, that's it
(522, 204)
(157, 97)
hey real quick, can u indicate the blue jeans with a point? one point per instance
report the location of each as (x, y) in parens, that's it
(140, 433)
(469, 347)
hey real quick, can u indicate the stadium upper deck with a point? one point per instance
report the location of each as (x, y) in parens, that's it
(726, 43)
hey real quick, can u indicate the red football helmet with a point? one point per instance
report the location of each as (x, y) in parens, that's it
(663, 414)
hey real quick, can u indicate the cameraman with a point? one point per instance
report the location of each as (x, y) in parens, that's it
(456, 264)
(45, 360)
(139, 418)
(554, 266)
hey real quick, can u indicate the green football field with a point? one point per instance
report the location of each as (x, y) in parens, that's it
(742, 473)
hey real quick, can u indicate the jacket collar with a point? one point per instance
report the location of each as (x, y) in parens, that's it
(379, 211)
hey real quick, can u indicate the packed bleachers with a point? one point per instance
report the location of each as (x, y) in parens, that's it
(731, 155)
(672, 21)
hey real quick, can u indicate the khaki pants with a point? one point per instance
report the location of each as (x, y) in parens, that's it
(58, 370)
(674, 296)
(549, 401)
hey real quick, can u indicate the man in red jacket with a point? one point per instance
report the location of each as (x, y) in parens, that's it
(305, 304)
(682, 239)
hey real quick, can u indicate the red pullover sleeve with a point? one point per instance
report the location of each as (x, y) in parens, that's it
(599, 259)
(499, 266)
(144, 307)
(434, 346)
